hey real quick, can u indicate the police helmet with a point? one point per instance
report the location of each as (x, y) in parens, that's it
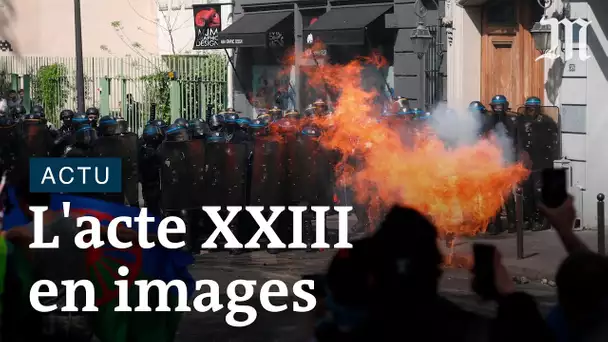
(406, 113)
(231, 118)
(265, 117)
(80, 120)
(400, 104)
(159, 123)
(243, 123)
(311, 131)
(216, 137)
(422, 116)
(258, 127)
(92, 111)
(532, 101)
(123, 126)
(66, 115)
(107, 126)
(499, 103)
(477, 106)
(292, 114)
(19, 111)
(177, 133)
(215, 122)
(152, 134)
(38, 110)
(85, 135)
(181, 122)
(275, 112)
(198, 128)
(320, 107)
(32, 117)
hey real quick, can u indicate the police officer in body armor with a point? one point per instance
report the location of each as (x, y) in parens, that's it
(149, 166)
(230, 124)
(66, 127)
(498, 120)
(93, 115)
(198, 129)
(539, 139)
(216, 123)
(83, 140)
(19, 112)
(181, 122)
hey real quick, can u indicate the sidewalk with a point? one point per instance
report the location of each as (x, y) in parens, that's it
(543, 251)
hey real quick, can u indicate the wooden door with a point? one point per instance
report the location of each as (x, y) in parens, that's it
(508, 55)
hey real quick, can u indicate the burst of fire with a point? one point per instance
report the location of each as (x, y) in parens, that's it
(461, 189)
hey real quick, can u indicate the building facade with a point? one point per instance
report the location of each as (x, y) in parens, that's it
(263, 33)
(109, 27)
(491, 51)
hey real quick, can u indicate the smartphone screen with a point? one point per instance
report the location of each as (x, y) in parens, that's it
(554, 189)
(483, 269)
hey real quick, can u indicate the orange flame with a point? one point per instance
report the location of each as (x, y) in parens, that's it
(460, 189)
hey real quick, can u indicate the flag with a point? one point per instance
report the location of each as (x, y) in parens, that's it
(144, 264)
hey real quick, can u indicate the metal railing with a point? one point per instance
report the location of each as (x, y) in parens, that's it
(178, 86)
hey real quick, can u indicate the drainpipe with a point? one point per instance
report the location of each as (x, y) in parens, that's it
(230, 71)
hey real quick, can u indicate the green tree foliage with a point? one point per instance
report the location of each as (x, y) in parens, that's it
(50, 88)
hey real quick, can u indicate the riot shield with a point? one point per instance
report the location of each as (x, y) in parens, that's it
(125, 148)
(37, 140)
(540, 136)
(310, 172)
(267, 173)
(182, 174)
(131, 169)
(225, 174)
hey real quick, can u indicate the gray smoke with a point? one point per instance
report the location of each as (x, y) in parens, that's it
(461, 127)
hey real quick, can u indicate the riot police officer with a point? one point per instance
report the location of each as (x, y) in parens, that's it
(216, 123)
(66, 117)
(320, 107)
(241, 134)
(79, 120)
(123, 126)
(19, 112)
(93, 114)
(400, 105)
(275, 113)
(498, 119)
(198, 128)
(107, 126)
(230, 124)
(265, 117)
(84, 138)
(539, 138)
(181, 122)
(149, 167)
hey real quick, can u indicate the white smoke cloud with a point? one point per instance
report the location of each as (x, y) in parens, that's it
(461, 127)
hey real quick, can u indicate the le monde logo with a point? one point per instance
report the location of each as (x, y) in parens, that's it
(568, 25)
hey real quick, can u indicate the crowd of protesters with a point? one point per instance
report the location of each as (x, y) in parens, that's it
(386, 289)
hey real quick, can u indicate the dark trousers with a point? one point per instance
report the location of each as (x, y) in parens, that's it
(532, 194)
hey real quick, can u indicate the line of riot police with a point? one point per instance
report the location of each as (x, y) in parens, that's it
(534, 131)
(229, 160)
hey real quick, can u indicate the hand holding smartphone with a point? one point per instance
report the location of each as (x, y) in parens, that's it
(484, 282)
(554, 187)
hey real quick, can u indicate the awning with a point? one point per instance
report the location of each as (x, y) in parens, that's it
(344, 25)
(252, 29)
(473, 3)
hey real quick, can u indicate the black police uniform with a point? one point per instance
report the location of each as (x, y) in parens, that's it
(149, 168)
(499, 120)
